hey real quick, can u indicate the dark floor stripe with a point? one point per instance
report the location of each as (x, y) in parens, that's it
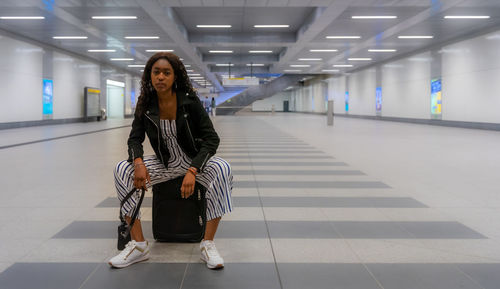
(311, 184)
(290, 157)
(295, 230)
(308, 202)
(289, 164)
(299, 172)
(52, 275)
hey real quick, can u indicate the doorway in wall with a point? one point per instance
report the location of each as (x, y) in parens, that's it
(115, 92)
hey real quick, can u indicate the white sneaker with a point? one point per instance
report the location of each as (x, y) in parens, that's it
(210, 255)
(132, 253)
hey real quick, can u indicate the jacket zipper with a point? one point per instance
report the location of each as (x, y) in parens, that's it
(190, 134)
(194, 145)
(159, 138)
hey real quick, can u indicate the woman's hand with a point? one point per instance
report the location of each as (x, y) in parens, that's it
(141, 175)
(187, 188)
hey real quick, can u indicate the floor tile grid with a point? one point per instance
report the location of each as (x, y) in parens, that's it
(266, 224)
(456, 267)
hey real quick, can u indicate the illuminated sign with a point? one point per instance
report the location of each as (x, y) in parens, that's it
(347, 101)
(436, 97)
(48, 93)
(378, 99)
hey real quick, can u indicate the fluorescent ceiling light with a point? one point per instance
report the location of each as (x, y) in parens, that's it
(69, 37)
(121, 59)
(114, 17)
(415, 37)
(260, 51)
(300, 65)
(343, 65)
(292, 70)
(359, 59)
(466, 17)
(382, 50)
(194, 74)
(271, 26)
(142, 37)
(374, 17)
(255, 64)
(101, 50)
(189, 70)
(224, 64)
(137, 65)
(115, 83)
(197, 77)
(22, 17)
(187, 65)
(213, 26)
(343, 37)
(220, 51)
(330, 70)
(310, 59)
(323, 50)
(159, 50)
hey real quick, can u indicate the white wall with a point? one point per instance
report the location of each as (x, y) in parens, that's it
(470, 72)
(362, 92)
(471, 79)
(406, 87)
(71, 75)
(336, 92)
(21, 68)
(267, 103)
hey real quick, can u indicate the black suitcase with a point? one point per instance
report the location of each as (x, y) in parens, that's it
(176, 219)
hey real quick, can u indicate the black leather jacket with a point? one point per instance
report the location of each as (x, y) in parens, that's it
(195, 132)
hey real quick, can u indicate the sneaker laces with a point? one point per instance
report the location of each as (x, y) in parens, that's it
(129, 247)
(211, 250)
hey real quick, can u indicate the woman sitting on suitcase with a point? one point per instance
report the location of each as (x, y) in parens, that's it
(182, 136)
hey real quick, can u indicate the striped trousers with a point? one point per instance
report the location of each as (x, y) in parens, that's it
(216, 177)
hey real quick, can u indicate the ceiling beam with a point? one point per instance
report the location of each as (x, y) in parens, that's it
(168, 20)
(436, 8)
(314, 25)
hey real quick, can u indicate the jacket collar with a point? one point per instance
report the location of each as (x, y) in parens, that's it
(183, 98)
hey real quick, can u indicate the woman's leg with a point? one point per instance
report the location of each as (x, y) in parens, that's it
(211, 228)
(217, 177)
(137, 250)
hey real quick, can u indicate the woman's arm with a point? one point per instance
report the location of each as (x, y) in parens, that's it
(135, 140)
(206, 131)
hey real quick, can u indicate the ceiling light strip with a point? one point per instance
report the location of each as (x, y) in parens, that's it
(323, 50)
(70, 37)
(415, 37)
(466, 17)
(214, 26)
(114, 17)
(271, 26)
(343, 37)
(22, 17)
(382, 50)
(374, 17)
(159, 50)
(101, 50)
(142, 37)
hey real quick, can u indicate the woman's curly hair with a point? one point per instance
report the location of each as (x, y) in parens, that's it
(181, 83)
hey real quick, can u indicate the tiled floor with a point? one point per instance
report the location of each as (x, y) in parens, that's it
(362, 204)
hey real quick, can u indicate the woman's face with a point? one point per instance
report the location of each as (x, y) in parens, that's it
(162, 76)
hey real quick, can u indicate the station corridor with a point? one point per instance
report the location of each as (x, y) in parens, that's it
(361, 204)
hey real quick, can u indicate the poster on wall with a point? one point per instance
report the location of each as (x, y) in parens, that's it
(436, 98)
(47, 98)
(378, 99)
(347, 101)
